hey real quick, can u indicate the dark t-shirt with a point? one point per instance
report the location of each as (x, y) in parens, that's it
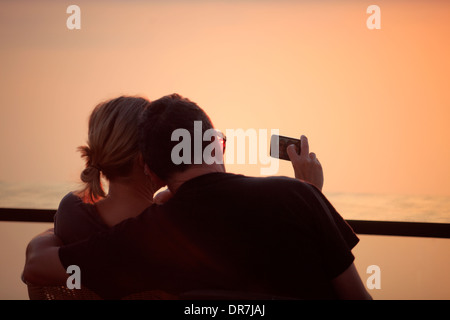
(225, 232)
(76, 220)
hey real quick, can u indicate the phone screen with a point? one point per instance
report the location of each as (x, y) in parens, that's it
(281, 143)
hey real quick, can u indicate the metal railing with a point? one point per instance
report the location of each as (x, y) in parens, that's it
(384, 228)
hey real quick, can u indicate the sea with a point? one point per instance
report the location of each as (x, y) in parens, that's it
(352, 206)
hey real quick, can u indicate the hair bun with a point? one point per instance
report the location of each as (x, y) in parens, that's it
(90, 174)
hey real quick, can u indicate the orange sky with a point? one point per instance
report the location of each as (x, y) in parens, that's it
(374, 103)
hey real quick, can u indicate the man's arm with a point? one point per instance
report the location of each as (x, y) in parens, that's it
(348, 285)
(42, 264)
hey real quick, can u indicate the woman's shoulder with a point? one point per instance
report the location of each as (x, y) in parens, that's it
(75, 220)
(71, 205)
(69, 200)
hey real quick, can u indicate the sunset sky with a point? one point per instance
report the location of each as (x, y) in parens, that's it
(375, 104)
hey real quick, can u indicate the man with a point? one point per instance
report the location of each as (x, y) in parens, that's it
(276, 235)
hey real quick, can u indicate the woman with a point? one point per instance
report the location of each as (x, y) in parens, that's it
(112, 151)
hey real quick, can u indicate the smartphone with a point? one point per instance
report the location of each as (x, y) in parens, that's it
(281, 143)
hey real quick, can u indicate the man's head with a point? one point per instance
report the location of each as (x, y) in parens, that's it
(160, 120)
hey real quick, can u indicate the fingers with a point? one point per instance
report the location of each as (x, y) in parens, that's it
(292, 153)
(162, 196)
(306, 165)
(304, 152)
(313, 158)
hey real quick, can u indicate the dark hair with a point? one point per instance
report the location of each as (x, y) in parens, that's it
(159, 120)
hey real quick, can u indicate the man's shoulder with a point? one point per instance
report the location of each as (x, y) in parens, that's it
(239, 181)
(272, 182)
(267, 179)
(269, 190)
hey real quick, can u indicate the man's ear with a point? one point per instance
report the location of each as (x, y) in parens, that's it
(157, 181)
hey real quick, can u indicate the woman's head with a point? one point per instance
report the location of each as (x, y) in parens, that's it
(112, 145)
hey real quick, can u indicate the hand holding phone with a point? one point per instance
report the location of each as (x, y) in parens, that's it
(281, 143)
(306, 165)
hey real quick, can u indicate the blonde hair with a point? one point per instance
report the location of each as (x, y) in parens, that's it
(112, 146)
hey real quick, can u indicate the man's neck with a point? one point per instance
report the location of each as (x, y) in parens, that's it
(192, 172)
